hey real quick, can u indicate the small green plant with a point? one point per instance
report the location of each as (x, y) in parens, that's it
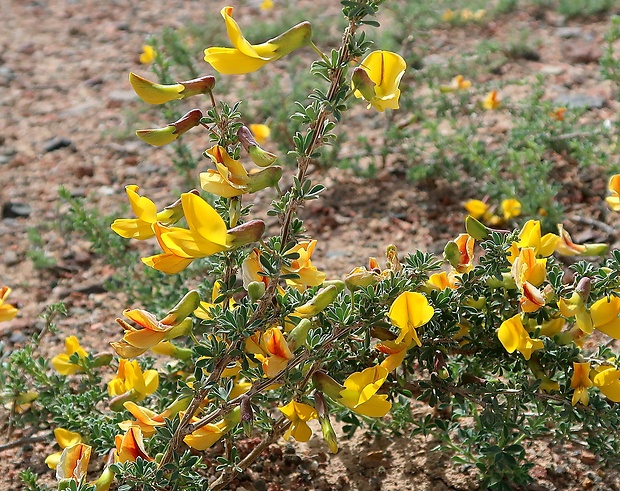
(36, 252)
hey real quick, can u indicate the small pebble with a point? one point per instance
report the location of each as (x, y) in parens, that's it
(56, 143)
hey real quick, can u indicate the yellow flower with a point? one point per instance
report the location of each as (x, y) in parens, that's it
(131, 378)
(64, 438)
(604, 313)
(271, 349)
(607, 379)
(298, 413)
(302, 266)
(531, 236)
(207, 235)
(408, 312)
(558, 115)
(491, 101)
(204, 308)
(130, 446)
(160, 94)
(168, 261)
(580, 381)
(511, 208)
(528, 273)
(266, 5)
(261, 132)
(359, 392)
(443, 280)
(245, 57)
(148, 54)
(7, 311)
(147, 420)
(152, 331)
(158, 137)
(448, 15)
(377, 80)
(477, 208)
(567, 247)
(207, 435)
(458, 83)
(73, 463)
(230, 177)
(229, 180)
(61, 362)
(460, 253)
(141, 228)
(528, 268)
(513, 336)
(614, 188)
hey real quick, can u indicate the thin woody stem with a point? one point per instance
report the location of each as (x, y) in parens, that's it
(319, 124)
(278, 428)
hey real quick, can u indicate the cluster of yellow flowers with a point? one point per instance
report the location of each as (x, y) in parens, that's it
(481, 210)
(376, 80)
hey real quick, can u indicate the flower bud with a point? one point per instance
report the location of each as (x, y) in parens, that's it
(583, 288)
(102, 359)
(440, 364)
(181, 310)
(117, 403)
(159, 137)
(318, 303)
(104, 481)
(181, 403)
(476, 229)
(267, 178)
(296, 37)
(261, 157)
(172, 350)
(360, 277)
(595, 249)
(326, 427)
(246, 138)
(234, 207)
(327, 385)
(246, 233)
(26, 397)
(362, 82)
(256, 290)
(247, 415)
(452, 254)
(339, 284)
(298, 336)
(154, 93)
(196, 86)
(181, 329)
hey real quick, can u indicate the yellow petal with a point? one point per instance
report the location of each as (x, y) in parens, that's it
(73, 463)
(66, 438)
(605, 311)
(409, 311)
(476, 208)
(509, 333)
(203, 219)
(133, 228)
(204, 437)
(376, 407)
(167, 263)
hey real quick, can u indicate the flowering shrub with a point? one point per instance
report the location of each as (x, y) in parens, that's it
(495, 332)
